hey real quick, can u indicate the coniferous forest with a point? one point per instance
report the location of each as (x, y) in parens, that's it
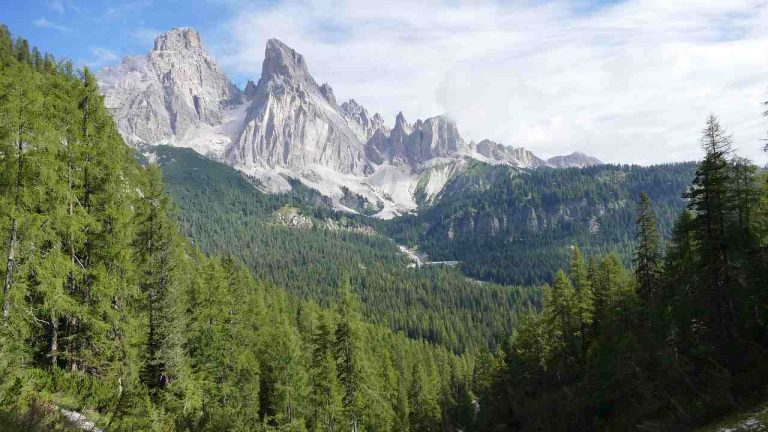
(125, 300)
(108, 310)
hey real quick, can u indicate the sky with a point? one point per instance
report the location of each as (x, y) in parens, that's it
(628, 81)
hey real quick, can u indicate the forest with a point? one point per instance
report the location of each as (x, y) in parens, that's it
(516, 227)
(221, 211)
(110, 311)
(126, 298)
(678, 340)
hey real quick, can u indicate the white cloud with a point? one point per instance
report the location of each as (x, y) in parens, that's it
(630, 82)
(44, 23)
(101, 57)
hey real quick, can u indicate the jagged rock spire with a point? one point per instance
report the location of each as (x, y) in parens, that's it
(293, 122)
(166, 96)
(180, 38)
(283, 63)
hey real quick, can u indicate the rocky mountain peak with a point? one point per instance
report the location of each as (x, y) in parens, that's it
(180, 38)
(518, 157)
(292, 122)
(352, 107)
(439, 136)
(401, 124)
(361, 121)
(327, 93)
(250, 89)
(287, 124)
(283, 62)
(174, 94)
(575, 159)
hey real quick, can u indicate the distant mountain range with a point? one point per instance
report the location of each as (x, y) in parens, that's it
(287, 126)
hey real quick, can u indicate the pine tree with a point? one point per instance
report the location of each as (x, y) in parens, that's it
(744, 196)
(679, 270)
(155, 242)
(347, 353)
(585, 298)
(21, 49)
(325, 397)
(648, 255)
(561, 311)
(6, 46)
(709, 200)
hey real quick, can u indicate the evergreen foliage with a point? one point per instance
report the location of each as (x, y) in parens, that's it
(515, 227)
(676, 343)
(108, 310)
(224, 213)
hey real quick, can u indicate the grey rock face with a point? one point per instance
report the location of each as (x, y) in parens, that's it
(361, 121)
(415, 144)
(250, 90)
(575, 159)
(518, 157)
(435, 137)
(166, 94)
(327, 93)
(293, 122)
(288, 125)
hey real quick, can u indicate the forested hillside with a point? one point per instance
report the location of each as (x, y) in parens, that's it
(108, 310)
(310, 251)
(678, 341)
(165, 292)
(516, 226)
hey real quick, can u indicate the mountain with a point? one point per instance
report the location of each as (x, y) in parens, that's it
(359, 119)
(298, 242)
(292, 122)
(575, 159)
(176, 94)
(287, 126)
(518, 157)
(515, 226)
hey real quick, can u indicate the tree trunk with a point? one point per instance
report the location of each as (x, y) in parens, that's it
(54, 341)
(9, 271)
(12, 237)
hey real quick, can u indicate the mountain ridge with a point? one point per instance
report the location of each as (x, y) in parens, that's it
(286, 125)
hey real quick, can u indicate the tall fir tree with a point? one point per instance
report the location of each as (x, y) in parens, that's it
(347, 347)
(648, 254)
(585, 299)
(325, 395)
(710, 203)
(158, 260)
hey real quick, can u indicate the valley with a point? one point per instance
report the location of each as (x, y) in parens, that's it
(184, 254)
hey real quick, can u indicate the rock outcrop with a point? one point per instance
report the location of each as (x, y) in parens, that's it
(575, 159)
(292, 122)
(518, 157)
(361, 121)
(416, 144)
(288, 125)
(167, 95)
